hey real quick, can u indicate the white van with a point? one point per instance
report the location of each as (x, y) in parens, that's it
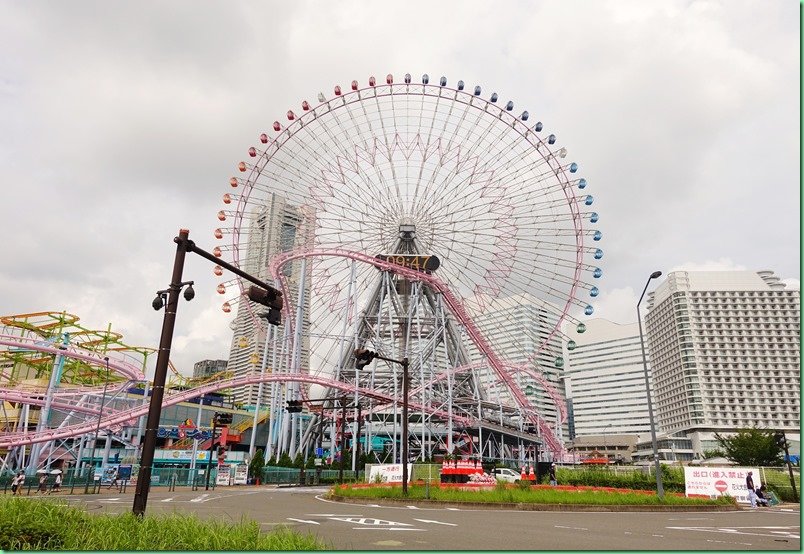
(506, 474)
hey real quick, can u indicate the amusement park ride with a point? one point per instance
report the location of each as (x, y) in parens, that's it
(410, 219)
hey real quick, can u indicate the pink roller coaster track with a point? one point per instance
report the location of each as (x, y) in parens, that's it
(457, 310)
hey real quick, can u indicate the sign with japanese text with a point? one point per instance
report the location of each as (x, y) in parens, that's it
(388, 473)
(719, 481)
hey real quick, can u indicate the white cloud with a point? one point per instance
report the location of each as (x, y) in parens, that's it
(123, 122)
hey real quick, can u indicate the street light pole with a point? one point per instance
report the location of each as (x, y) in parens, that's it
(364, 357)
(97, 428)
(160, 376)
(405, 364)
(659, 487)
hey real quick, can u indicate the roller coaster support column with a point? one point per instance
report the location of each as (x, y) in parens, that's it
(160, 376)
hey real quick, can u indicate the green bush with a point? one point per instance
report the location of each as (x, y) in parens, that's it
(672, 478)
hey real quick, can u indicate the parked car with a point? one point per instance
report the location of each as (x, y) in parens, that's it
(506, 474)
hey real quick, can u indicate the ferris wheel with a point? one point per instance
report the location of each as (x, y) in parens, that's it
(442, 185)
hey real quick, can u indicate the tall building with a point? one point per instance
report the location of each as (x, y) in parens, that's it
(276, 228)
(605, 380)
(207, 368)
(515, 327)
(725, 349)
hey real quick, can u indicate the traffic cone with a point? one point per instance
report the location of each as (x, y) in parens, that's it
(522, 474)
(532, 475)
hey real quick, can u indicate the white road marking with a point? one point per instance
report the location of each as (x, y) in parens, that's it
(167, 499)
(335, 515)
(566, 527)
(371, 521)
(304, 521)
(791, 533)
(453, 509)
(201, 498)
(436, 522)
(388, 528)
(412, 507)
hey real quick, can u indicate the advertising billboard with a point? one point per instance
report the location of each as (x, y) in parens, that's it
(719, 481)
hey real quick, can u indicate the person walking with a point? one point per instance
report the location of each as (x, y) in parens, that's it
(553, 480)
(56, 484)
(749, 485)
(42, 484)
(17, 483)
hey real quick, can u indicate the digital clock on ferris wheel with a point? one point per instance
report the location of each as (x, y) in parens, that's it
(427, 264)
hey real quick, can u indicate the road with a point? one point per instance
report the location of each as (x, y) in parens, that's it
(369, 526)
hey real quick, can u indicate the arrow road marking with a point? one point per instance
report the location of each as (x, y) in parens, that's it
(201, 498)
(167, 499)
(436, 522)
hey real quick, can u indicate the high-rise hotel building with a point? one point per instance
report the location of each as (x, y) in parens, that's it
(516, 327)
(725, 353)
(605, 380)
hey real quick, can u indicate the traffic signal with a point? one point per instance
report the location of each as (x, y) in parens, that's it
(781, 441)
(272, 299)
(222, 419)
(363, 357)
(294, 406)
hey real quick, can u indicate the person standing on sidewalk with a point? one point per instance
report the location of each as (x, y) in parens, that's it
(749, 484)
(553, 480)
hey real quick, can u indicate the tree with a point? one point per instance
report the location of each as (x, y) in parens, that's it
(751, 447)
(257, 463)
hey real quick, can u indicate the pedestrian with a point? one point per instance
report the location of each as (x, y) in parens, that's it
(56, 484)
(762, 497)
(749, 485)
(17, 483)
(113, 479)
(553, 480)
(42, 484)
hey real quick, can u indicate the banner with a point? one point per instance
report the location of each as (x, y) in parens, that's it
(719, 481)
(388, 473)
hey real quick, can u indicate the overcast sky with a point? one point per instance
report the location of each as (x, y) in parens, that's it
(123, 121)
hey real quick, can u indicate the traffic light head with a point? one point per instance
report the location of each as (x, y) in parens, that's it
(271, 299)
(294, 406)
(363, 357)
(222, 419)
(781, 441)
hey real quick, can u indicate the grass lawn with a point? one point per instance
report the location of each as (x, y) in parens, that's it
(523, 495)
(27, 524)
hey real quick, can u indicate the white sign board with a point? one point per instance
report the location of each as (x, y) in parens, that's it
(224, 476)
(388, 473)
(241, 474)
(719, 481)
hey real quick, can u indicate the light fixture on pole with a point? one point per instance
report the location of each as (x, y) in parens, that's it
(659, 487)
(97, 428)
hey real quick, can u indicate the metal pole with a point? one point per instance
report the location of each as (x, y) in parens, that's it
(405, 363)
(357, 444)
(659, 487)
(343, 438)
(97, 429)
(790, 470)
(211, 449)
(160, 376)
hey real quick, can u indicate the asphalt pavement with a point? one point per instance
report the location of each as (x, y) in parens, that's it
(370, 526)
